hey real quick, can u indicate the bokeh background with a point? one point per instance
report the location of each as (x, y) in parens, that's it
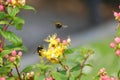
(90, 23)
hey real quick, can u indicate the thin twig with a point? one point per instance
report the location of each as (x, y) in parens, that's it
(66, 68)
(10, 74)
(82, 66)
(63, 65)
(17, 72)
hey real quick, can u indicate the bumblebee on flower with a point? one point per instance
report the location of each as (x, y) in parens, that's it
(55, 49)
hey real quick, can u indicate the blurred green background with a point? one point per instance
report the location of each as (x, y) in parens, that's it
(104, 57)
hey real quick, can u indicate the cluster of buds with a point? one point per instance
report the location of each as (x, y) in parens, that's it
(12, 3)
(117, 15)
(13, 56)
(2, 78)
(104, 76)
(30, 75)
(16, 2)
(116, 45)
(56, 48)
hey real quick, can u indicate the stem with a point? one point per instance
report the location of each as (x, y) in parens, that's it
(10, 74)
(17, 71)
(82, 66)
(63, 65)
(3, 39)
(66, 68)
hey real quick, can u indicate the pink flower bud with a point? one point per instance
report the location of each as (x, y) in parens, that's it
(102, 70)
(115, 14)
(105, 77)
(50, 78)
(1, 7)
(20, 53)
(7, 56)
(58, 39)
(64, 42)
(117, 40)
(12, 59)
(2, 78)
(119, 6)
(112, 45)
(117, 52)
(113, 78)
(13, 53)
(9, 1)
(52, 48)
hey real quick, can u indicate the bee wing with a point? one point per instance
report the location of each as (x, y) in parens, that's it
(65, 26)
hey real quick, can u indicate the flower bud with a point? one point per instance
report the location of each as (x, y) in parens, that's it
(117, 40)
(113, 78)
(119, 6)
(58, 39)
(115, 14)
(20, 53)
(32, 73)
(68, 40)
(13, 53)
(64, 42)
(2, 78)
(12, 59)
(105, 77)
(28, 74)
(117, 52)
(7, 56)
(112, 45)
(50, 78)
(9, 1)
(1, 7)
(102, 70)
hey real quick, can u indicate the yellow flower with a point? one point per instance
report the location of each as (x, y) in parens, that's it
(18, 2)
(55, 48)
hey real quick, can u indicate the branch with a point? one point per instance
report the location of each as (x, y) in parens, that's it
(17, 72)
(66, 68)
(82, 66)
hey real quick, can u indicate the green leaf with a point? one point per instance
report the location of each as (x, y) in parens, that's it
(28, 7)
(3, 15)
(69, 51)
(1, 61)
(96, 78)
(118, 74)
(4, 22)
(58, 76)
(13, 47)
(18, 22)
(29, 68)
(41, 77)
(118, 31)
(19, 26)
(88, 65)
(5, 52)
(11, 78)
(11, 37)
(4, 70)
(75, 68)
(62, 72)
(84, 51)
(13, 11)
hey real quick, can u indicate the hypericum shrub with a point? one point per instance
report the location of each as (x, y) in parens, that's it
(11, 44)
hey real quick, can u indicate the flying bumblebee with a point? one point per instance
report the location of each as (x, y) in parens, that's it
(59, 25)
(40, 49)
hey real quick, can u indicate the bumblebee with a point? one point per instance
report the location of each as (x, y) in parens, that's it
(59, 25)
(39, 50)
